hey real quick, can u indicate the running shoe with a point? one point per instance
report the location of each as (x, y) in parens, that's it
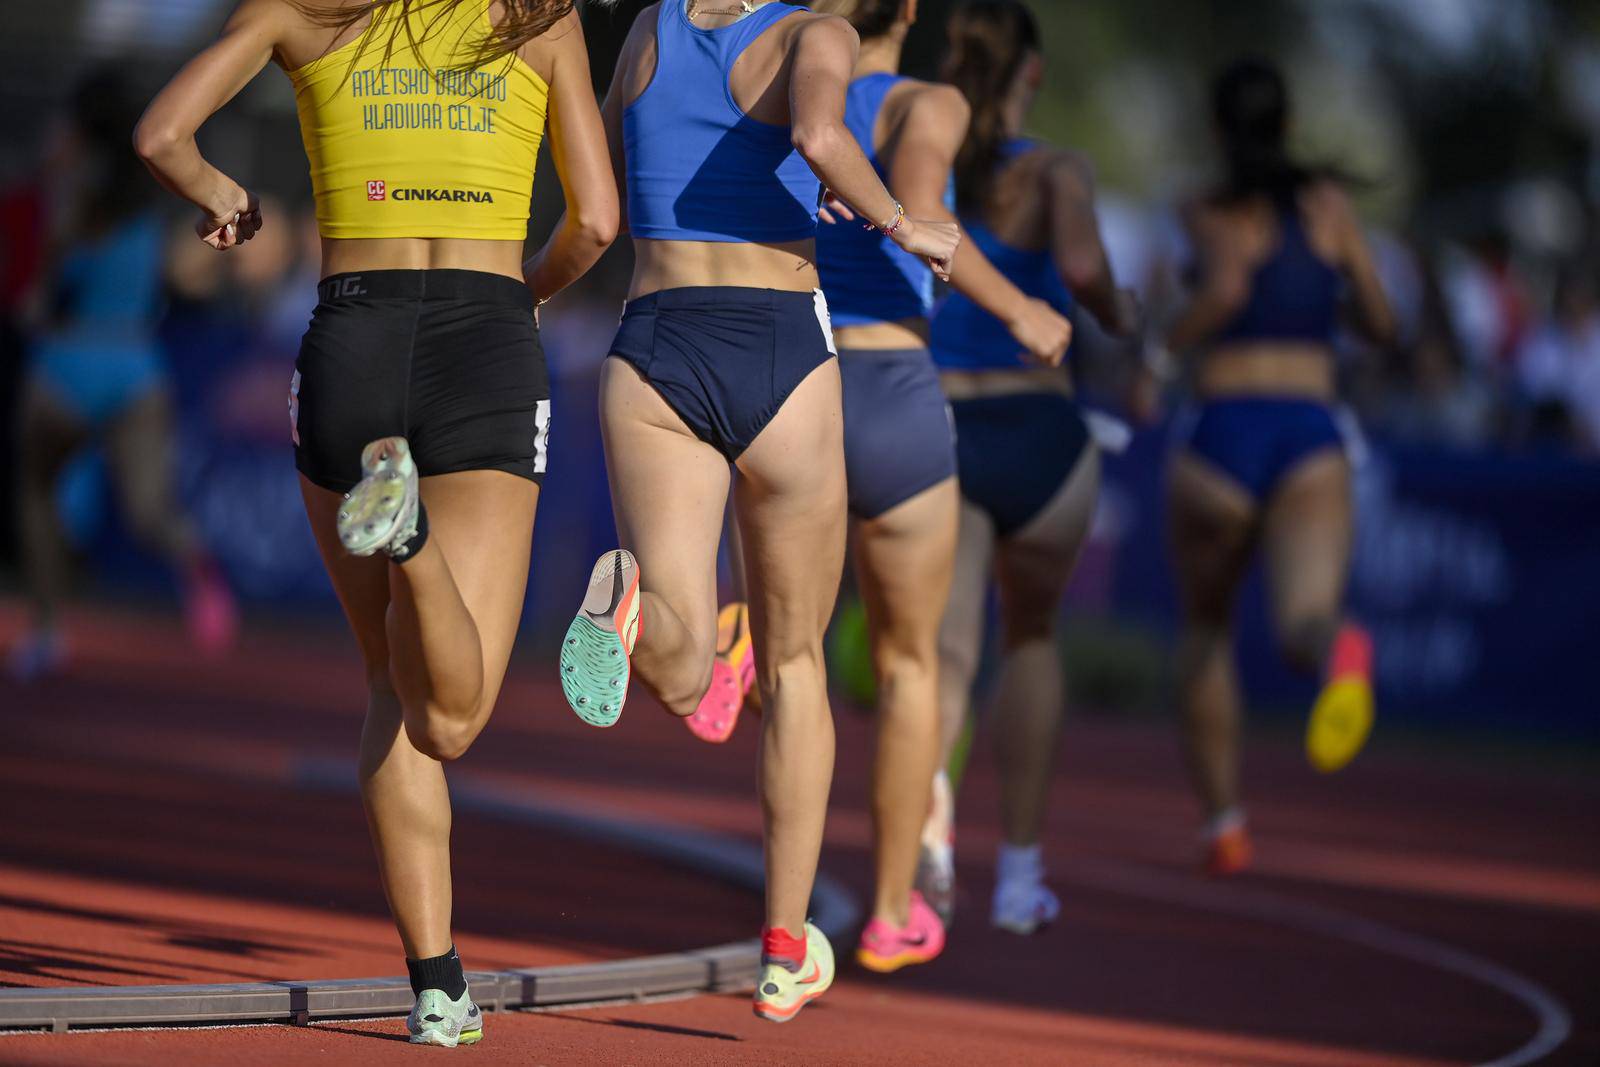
(380, 513)
(1023, 906)
(781, 992)
(595, 654)
(733, 672)
(936, 863)
(1229, 851)
(209, 611)
(438, 1020)
(1341, 719)
(885, 947)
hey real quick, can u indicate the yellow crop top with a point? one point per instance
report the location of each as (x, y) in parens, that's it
(414, 146)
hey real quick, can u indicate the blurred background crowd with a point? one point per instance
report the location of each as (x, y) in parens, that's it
(1469, 131)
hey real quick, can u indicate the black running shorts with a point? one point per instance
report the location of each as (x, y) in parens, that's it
(448, 359)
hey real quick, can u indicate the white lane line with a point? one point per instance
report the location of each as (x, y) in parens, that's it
(1555, 1022)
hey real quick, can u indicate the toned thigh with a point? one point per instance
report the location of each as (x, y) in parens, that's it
(670, 491)
(1212, 526)
(1306, 537)
(50, 433)
(791, 503)
(1034, 564)
(961, 628)
(360, 583)
(905, 559)
(139, 448)
(482, 521)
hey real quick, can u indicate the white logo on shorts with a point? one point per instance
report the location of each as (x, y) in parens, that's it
(541, 435)
(294, 408)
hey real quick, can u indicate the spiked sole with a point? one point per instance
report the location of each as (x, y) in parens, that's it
(594, 672)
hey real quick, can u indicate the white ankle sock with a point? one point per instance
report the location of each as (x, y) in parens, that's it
(1024, 863)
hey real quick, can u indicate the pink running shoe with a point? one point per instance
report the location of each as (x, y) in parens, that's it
(733, 672)
(884, 948)
(209, 611)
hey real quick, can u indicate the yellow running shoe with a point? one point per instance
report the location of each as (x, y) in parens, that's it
(1342, 717)
(781, 993)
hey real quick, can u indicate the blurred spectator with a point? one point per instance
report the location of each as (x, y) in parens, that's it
(96, 373)
(1559, 366)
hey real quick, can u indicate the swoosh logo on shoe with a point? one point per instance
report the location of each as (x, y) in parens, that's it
(816, 972)
(916, 942)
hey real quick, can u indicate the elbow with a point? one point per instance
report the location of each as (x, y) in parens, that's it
(818, 142)
(599, 228)
(151, 140)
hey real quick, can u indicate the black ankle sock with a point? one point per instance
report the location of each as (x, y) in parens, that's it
(438, 972)
(408, 551)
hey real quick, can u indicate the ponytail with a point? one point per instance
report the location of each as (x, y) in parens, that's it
(1250, 104)
(989, 40)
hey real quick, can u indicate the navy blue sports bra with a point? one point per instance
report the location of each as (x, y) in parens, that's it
(699, 168)
(966, 337)
(866, 277)
(1294, 294)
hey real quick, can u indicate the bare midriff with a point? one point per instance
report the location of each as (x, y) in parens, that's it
(1267, 368)
(348, 255)
(903, 333)
(972, 385)
(659, 265)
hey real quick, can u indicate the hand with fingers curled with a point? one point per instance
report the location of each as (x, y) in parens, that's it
(233, 223)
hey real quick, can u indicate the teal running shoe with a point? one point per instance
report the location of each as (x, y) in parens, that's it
(595, 653)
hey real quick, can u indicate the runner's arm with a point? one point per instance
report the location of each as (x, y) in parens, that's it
(578, 147)
(1079, 251)
(165, 135)
(824, 54)
(930, 135)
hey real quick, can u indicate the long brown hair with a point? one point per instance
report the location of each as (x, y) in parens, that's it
(523, 21)
(989, 39)
(870, 18)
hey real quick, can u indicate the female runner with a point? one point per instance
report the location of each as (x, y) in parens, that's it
(722, 117)
(1261, 461)
(899, 446)
(420, 401)
(97, 373)
(1029, 472)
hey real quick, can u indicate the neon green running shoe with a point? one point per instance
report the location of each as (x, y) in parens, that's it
(438, 1020)
(781, 993)
(594, 655)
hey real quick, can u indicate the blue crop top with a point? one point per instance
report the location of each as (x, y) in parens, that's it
(699, 168)
(866, 277)
(966, 337)
(1294, 294)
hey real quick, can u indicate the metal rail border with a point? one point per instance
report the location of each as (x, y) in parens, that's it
(719, 968)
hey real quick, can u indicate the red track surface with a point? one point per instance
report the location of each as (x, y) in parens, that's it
(151, 834)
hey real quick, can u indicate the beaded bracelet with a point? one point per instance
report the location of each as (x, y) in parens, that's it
(894, 224)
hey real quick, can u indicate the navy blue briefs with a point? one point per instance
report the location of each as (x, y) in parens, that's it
(725, 358)
(1016, 451)
(898, 439)
(1255, 441)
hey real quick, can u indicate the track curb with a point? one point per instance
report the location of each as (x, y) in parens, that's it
(719, 968)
